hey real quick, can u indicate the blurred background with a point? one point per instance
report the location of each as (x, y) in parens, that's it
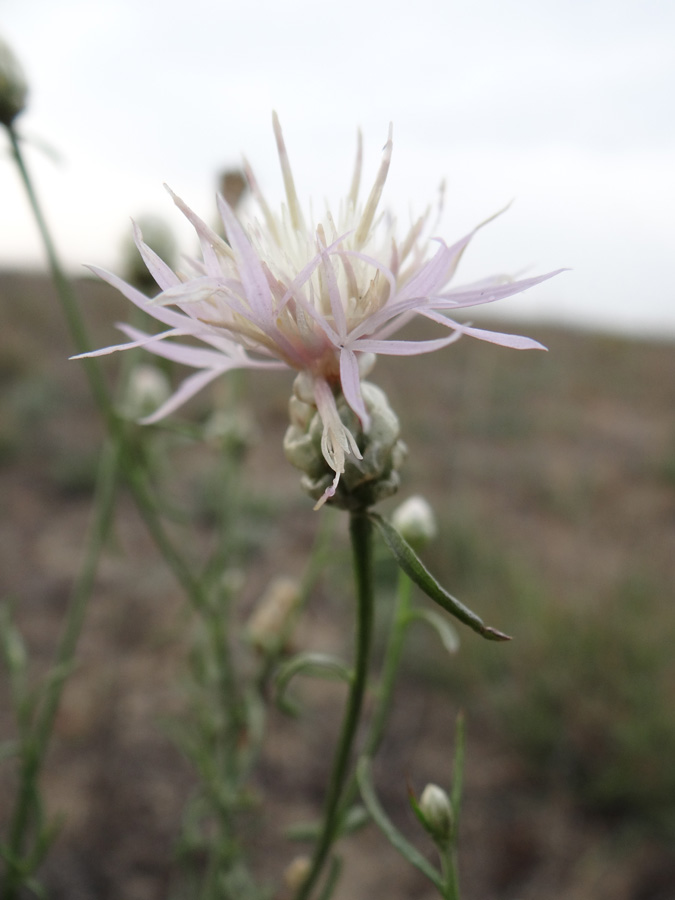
(553, 475)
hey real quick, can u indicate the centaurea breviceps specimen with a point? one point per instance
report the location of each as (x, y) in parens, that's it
(319, 298)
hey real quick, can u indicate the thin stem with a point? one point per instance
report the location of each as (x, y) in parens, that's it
(450, 875)
(65, 293)
(362, 552)
(117, 457)
(392, 659)
(35, 746)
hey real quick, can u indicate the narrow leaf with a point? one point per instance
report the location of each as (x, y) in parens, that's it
(441, 626)
(387, 827)
(415, 570)
(319, 665)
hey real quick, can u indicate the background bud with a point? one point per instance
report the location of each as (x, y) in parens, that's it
(274, 614)
(160, 238)
(147, 388)
(415, 521)
(297, 871)
(13, 86)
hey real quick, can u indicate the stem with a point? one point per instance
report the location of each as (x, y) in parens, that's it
(449, 868)
(35, 745)
(65, 293)
(392, 661)
(362, 551)
(116, 458)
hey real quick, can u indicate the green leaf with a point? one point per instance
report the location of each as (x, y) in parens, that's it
(441, 626)
(387, 827)
(354, 819)
(413, 567)
(318, 665)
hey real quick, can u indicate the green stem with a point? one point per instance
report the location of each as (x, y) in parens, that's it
(35, 746)
(362, 551)
(450, 875)
(65, 293)
(392, 660)
(117, 457)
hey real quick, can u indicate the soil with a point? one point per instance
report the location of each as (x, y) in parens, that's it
(596, 405)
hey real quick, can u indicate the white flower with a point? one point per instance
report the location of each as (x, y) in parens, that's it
(317, 298)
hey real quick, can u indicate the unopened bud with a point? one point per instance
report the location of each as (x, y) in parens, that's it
(273, 616)
(297, 872)
(234, 430)
(13, 86)
(363, 482)
(159, 237)
(148, 387)
(434, 805)
(415, 521)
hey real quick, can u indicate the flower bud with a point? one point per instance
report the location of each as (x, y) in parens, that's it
(13, 86)
(415, 521)
(434, 806)
(159, 237)
(148, 387)
(274, 613)
(363, 482)
(234, 430)
(296, 872)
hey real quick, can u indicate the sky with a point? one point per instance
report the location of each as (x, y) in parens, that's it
(566, 111)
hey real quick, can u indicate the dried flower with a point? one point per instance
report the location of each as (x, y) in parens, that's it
(274, 614)
(320, 299)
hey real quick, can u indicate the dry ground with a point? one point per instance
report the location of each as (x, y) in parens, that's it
(562, 464)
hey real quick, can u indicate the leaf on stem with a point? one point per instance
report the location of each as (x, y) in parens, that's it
(441, 626)
(318, 665)
(415, 569)
(387, 827)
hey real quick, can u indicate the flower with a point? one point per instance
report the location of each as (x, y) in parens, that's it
(321, 299)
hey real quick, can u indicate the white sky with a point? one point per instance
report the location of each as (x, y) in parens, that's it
(567, 108)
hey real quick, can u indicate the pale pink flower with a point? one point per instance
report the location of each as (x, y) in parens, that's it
(320, 299)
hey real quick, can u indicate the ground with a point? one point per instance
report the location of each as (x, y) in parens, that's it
(552, 474)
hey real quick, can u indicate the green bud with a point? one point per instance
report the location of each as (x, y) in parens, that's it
(365, 481)
(159, 237)
(13, 85)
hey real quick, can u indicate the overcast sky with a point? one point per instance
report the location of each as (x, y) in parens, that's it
(567, 109)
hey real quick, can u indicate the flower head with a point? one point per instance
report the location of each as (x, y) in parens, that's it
(319, 298)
